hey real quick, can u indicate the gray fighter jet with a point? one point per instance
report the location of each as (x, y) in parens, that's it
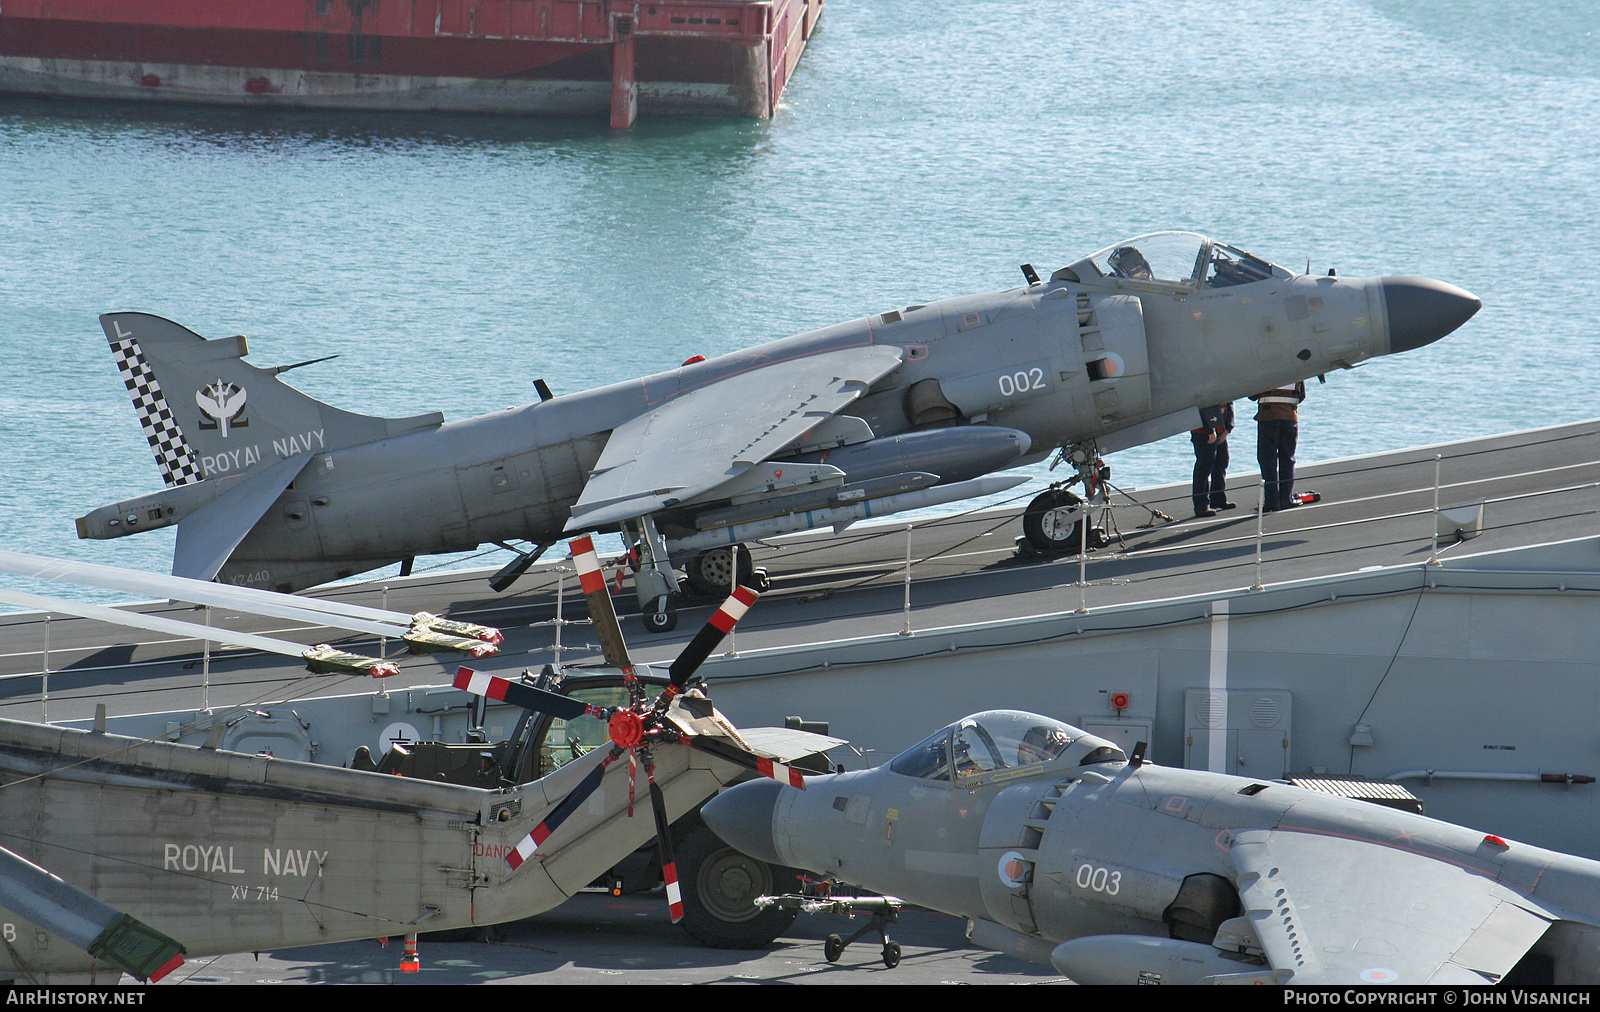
(1057, 847)
(903, 409)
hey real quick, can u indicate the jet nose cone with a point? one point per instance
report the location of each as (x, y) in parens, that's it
(1422, 310)
(742, 816)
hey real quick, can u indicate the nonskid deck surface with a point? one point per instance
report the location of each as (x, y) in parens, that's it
(598, 939)
(1536, 486)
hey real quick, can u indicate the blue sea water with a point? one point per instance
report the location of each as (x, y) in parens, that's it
(924, 149)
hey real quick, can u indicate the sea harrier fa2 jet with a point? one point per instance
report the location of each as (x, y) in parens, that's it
(903, 409)
(1057, 847)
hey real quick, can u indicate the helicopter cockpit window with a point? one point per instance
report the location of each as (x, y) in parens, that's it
(568, 739)
(1229, 266)
(928, 758)
(1169, 257)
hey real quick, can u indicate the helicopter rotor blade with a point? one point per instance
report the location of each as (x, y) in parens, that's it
(569, 804)
(100, 930)
(759, 765)
(669, 863)
(526, 696)
(601, 611)
(711, 635)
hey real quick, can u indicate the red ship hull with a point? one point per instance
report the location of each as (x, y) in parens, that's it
(672, 57)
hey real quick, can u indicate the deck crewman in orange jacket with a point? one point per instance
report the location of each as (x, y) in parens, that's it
(1277, 432)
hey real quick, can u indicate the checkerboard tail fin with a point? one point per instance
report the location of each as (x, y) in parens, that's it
(175, 458)
(209, 414)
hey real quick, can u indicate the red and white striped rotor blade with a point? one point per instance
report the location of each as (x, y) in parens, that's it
(601, 610)
(569, 804)
(711, 634)
(669, 862)
(781, 772)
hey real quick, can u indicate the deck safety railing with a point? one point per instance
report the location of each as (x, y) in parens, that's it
(1456, 507)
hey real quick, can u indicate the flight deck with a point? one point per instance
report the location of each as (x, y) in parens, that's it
(598, 939)
(1430, 622)
(1377, 512)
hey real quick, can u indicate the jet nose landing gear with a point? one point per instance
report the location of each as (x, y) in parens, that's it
(1054, 522)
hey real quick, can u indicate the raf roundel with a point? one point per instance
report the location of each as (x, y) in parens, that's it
(1014, 869)
(1379, 975)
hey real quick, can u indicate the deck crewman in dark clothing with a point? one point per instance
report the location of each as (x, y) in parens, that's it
(1277, 432)
(1209, 490)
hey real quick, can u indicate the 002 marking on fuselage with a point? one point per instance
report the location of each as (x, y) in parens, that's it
(1101, 357)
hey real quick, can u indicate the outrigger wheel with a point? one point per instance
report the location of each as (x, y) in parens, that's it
(659, 616)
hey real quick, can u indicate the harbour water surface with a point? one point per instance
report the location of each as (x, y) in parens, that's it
(924, 149)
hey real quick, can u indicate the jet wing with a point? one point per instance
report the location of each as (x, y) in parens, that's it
(700, 439)
(1338, 910)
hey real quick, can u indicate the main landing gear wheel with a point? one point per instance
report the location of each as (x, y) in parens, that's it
(659, 616)
(711, 572)
(1049, 527)
(719, 893)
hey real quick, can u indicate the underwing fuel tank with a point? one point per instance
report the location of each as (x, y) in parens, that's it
(1145, 959)
(844, 514)
(954, 453)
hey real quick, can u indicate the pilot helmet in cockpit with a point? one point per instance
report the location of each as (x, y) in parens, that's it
(1042, 743)
(1128, 262)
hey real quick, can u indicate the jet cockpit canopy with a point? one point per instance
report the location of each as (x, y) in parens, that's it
(997, 740)
(1188, 259)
